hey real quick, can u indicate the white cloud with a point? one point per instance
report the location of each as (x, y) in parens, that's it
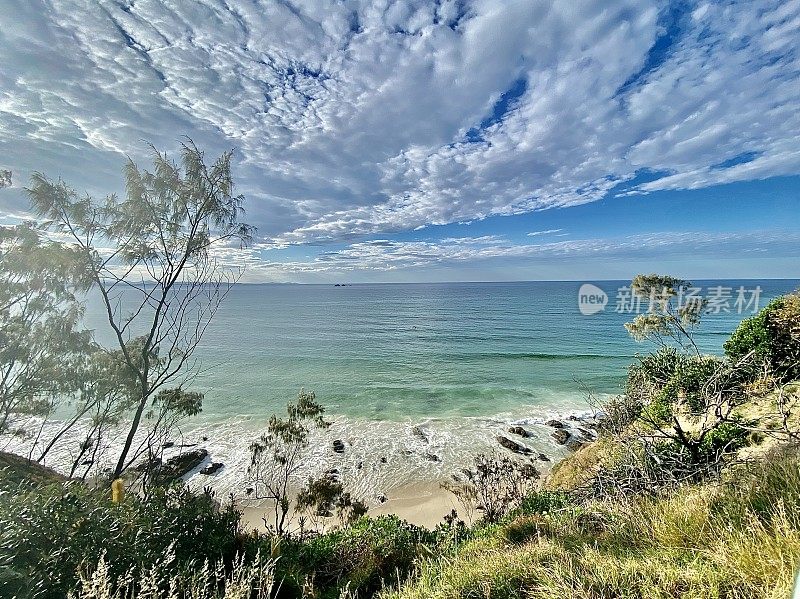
(369, 258)
(354, 118)
(544, 232)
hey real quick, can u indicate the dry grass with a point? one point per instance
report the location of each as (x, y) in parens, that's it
(737, 540)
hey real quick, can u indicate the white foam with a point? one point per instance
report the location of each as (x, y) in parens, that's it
(378, 457)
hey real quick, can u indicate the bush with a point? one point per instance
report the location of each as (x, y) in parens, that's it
(545, 501)
(773, 335)
(359, 557)
(47, 534)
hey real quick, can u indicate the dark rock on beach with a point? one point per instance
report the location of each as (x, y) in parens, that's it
(179, 465)
(561, 436)
(432, 457)
(211, 468)
(512, 445)
(543, 457)
(338, 446)
(419, 434)
(555, 423)
(168, 444)
(518, 430)
(383, 459)
(574, 444)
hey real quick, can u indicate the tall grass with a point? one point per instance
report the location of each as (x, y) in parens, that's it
(739, 539)
(247, 579)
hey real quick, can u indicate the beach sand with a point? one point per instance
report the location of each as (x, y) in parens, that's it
(423, 504)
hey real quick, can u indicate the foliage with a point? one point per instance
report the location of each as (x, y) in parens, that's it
(47, 533)
(160, 282)
(545, 501)
(670, 316)
(275, 458)
(494, 486)
(772, 336)
(42, 348)
(324, 496)
(360, 556)
(738, 540)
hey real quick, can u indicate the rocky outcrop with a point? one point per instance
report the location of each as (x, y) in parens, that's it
(555, 423)
(338, 446)
(211, 468)
(561, 436)
(513, 445)
(420, 434)
(179, 465)
(518, 430)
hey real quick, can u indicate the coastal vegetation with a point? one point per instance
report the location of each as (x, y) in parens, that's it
(692, 487)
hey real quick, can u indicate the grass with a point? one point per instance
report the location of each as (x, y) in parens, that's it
(740, 539)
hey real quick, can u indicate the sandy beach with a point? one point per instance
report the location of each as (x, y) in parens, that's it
(423, 504)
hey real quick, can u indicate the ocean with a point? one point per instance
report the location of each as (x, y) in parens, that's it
(460, 362)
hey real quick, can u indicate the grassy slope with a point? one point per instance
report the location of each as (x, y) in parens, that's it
(737, 539)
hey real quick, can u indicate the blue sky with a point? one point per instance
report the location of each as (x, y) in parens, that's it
(411, 140)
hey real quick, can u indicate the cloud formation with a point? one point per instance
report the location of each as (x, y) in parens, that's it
(358, 119)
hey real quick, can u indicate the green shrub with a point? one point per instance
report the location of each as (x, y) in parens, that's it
(361, 555)
(47, 533)
(773, 336)
(545, 501)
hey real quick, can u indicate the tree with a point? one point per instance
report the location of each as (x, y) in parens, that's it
(42, 348)
(666, 318)
(276, 456)
(494, 486)
(152, 256)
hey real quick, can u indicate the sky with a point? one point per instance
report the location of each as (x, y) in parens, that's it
(435, 140)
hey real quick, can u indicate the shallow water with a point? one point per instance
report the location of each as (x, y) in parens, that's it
(461, 360)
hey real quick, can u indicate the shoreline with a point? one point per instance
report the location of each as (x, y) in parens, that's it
(421, 504)
(394, 467)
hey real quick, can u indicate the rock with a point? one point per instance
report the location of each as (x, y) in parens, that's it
(204, 438)
(573, 417)
(587, 433)
(432, 457)
(555, 423)
(383, 459)
(574, 444)
(249, 490)
(419, 434)
(382, 499)
(359, 466)
(211, 468)
(168, 444)
(179, 465)
(333, 473)
(338, 446)
(512, 445)
(518, 430)
(543, 457)
(561, 436)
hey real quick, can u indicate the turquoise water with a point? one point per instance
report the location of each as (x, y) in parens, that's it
(394, 351)
(416, 379)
